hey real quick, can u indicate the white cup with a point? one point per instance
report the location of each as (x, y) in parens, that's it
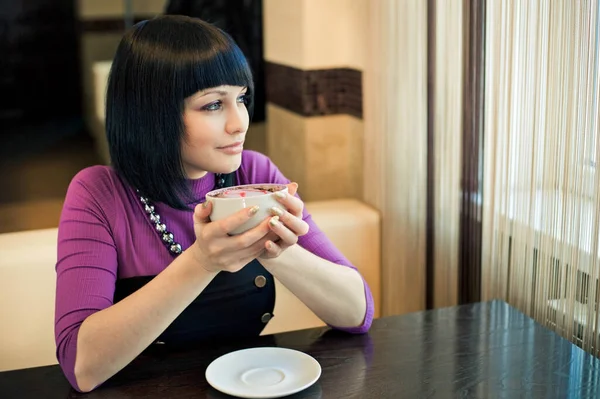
(226, 201)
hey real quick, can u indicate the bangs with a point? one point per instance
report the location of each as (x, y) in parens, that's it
(221, 67)
(202, 66)
(190, 55)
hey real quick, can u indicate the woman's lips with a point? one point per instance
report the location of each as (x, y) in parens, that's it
(232, 149)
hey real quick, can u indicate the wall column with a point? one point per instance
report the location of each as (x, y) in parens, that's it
(315, 54)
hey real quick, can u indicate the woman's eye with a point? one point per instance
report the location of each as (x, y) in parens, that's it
(212, 106)
(243, 99)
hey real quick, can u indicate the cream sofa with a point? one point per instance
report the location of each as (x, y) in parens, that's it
(27, 281)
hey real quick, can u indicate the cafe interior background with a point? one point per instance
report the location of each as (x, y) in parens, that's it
(449, 148)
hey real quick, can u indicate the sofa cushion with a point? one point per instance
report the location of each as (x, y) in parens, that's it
(28, 279)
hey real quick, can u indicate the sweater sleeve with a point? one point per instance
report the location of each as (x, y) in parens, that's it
(86, 267)
(260, 169)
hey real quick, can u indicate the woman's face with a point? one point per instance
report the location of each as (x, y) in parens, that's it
(216, 121)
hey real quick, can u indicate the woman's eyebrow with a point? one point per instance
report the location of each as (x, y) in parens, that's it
(221, 92)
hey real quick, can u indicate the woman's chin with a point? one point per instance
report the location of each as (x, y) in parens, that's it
(222, 165)
(232, 164)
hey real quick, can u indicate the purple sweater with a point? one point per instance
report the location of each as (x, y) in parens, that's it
(104, 234)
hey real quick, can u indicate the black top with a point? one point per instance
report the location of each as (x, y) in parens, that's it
(233, 304)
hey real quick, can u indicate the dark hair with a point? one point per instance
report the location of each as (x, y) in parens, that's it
(158, 64)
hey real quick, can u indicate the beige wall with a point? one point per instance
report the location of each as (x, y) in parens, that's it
(322, 153)
(311, 150)
(314, 34)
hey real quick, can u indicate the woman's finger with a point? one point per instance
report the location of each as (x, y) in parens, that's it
(272, 249)
(293, 204)
(295, 224)
(287, 236)
(292, 188)
(225, 226)
(202, 213)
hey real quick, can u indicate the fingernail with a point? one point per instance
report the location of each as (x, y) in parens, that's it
(252, 211)
(276, 211)
(280, 194)
(204, 204)
(269, 245)
(274, 221)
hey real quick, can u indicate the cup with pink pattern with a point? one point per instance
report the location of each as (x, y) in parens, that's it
(229, 200)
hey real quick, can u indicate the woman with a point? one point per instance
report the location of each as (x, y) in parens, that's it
(139, 262)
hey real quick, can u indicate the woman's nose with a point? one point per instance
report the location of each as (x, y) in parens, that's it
(237, 120)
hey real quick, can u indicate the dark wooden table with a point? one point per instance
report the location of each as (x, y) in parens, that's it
(485, 350)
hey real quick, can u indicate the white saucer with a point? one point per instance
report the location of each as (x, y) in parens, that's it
(263, 372)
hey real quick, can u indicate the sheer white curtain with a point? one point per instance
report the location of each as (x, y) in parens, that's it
(395, 152)
(542, 185)
(450, 27)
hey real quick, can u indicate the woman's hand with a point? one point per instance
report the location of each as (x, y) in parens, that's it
(287, 225)
(216, 250)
